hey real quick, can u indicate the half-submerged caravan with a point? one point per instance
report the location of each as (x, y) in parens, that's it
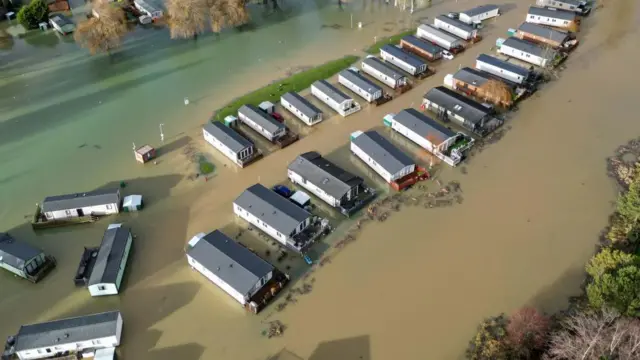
(245, 276)
(289, 224)
(334, 98)
(329, 182)
(23, 259)
(447, 145)
(265, 124)
(94, 336)
(76, 208)
(230, 143)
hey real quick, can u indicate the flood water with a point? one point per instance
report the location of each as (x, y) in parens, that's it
(413, 287)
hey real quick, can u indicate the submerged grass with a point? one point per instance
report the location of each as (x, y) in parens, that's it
(296, 82)
(393, 39)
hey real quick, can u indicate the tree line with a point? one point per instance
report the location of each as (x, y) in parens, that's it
(601, 324)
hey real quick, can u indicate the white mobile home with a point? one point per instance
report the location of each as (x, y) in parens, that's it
(324, 179)
(480, 13)
(148, 9)
(233, 145)
(385, 74)
(352, 80)
(110, 264)
(301, 108)
(449, 105)
(381, 155)
(336, 99)
(275, 215)
(403, 59)
(97, 202)
(261, 122)
(503, 69)
(439, 37)
(422, 130)
(551, 17)
(577, 6)
(231, 266)
(527, 51)
(75, 335)
(23, 259)
(455, 27)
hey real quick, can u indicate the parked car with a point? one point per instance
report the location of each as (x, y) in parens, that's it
(282, 191)
(447, 55)
(277, 116)
(453, 15)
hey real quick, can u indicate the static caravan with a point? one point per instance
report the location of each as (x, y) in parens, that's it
(301, 108)
(352, 80)
(324, 179)
(383, 72)
(421, 48)
(226, 140)
(97, 202)
(472, 82)
(261, 122)
(455, 27)
(449, 105)
(148, 9)
(402, 59)
(480, 13)
(526, 51)
(503, 69)
(336, 99)
(439, 37)
(110, 264)
(381, 155)
(581, 7)
(552, 17)
(543, 35)
(62, 24)
(276, 216)
(231, 266)
(71, 335)
(23, 259)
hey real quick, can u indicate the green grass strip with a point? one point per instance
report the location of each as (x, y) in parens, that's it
(295, 82)
(393, 39)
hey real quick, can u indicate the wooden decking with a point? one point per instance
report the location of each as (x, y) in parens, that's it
(268, 292)
(41, 222)
(418, 175)
(49, 264)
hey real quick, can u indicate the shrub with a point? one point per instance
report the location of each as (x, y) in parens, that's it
(33, 14)
(490, 342)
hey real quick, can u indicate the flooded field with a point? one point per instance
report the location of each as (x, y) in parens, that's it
(411, 287)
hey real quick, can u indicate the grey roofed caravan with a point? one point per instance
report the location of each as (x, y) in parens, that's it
(302, 104)
(458, 104)
(331, 91)
(112, 250)
(471, 76)
(544, 32)
(80, 200)
(526, 46)
(556, 14)
(455, 23)
(422, 44)
(272, 209)
(324, 174)
(227, 136)
(377, 64)
(261, 118)
(480, 10)
(68, 331)
(382, 151)
(423, 125)
(231, 262)
(360, 81)
(402, 55)
(16, 253)
(505, 65)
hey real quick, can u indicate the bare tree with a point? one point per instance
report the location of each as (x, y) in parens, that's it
(497, 92)
(103, 32)
(527, 332)
(187, 18)
(585, 336)
(224, 13)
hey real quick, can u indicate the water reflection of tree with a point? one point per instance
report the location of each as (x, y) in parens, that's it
(40, 39)
(6, 40)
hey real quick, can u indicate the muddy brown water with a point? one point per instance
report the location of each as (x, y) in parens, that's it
(412, 287)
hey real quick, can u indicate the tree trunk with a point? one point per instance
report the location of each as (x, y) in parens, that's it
(275, 5)
(195, 37)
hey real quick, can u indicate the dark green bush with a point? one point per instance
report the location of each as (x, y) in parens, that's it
(33, 14)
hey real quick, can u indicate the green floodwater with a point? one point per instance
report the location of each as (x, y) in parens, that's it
(68, 120)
